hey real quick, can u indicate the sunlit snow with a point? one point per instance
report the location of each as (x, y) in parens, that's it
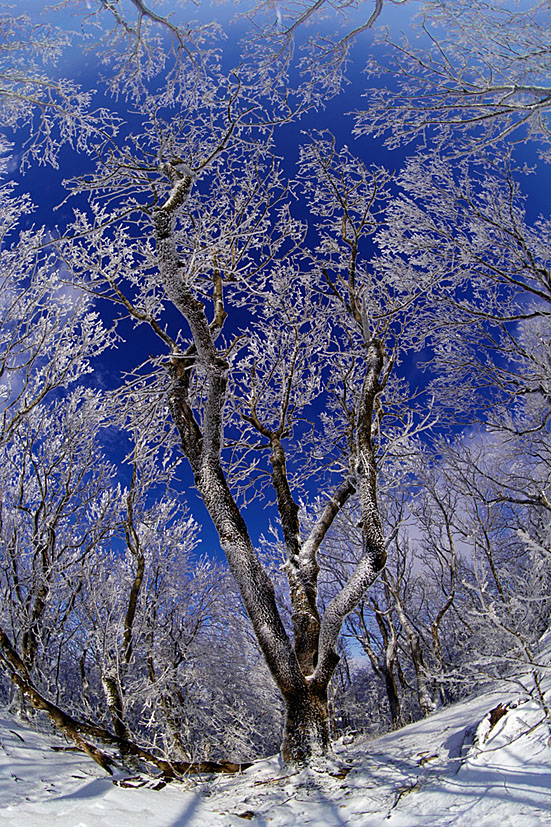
(449, 769)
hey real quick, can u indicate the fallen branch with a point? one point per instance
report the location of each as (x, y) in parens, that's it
(74, 729)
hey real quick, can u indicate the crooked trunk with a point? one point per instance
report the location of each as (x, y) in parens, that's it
(307, 732)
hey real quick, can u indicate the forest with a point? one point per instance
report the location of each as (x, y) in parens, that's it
(275, 369)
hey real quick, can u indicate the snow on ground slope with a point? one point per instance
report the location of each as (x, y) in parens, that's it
(458, 767)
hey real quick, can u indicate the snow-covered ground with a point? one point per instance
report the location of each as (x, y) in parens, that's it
(450, 769)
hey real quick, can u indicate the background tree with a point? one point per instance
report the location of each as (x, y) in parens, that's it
(57, 506)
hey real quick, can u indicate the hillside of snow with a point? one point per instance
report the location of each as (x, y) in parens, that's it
(462, 766)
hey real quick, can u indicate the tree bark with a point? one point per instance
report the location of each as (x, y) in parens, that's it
(307, 733)
(383, 667)
(393, 697)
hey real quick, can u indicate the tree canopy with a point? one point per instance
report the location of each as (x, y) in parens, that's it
(335, 334)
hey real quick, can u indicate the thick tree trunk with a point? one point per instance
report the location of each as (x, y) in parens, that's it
(307, 734)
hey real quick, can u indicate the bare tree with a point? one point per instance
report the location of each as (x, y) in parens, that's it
(508, 594)
(320, 347)
(276, 337)
(49, 333)
(479, 80)
(468, 228)
(56, 508)
(160, 630)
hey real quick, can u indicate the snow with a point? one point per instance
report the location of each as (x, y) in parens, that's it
(452, 768)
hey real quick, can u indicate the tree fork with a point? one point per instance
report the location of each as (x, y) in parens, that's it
(202, 448)
(307, 730)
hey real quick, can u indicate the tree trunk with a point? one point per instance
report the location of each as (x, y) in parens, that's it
(115, 705)
(423, 691)
(393, 697)
(307, 732)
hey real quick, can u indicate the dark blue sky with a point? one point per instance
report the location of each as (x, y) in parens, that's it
(45, 183)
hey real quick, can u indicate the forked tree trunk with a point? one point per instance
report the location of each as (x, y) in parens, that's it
(302, 672)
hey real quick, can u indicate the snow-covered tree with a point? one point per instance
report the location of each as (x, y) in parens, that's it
(270, 320)
(279, 374)
(476, 80)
